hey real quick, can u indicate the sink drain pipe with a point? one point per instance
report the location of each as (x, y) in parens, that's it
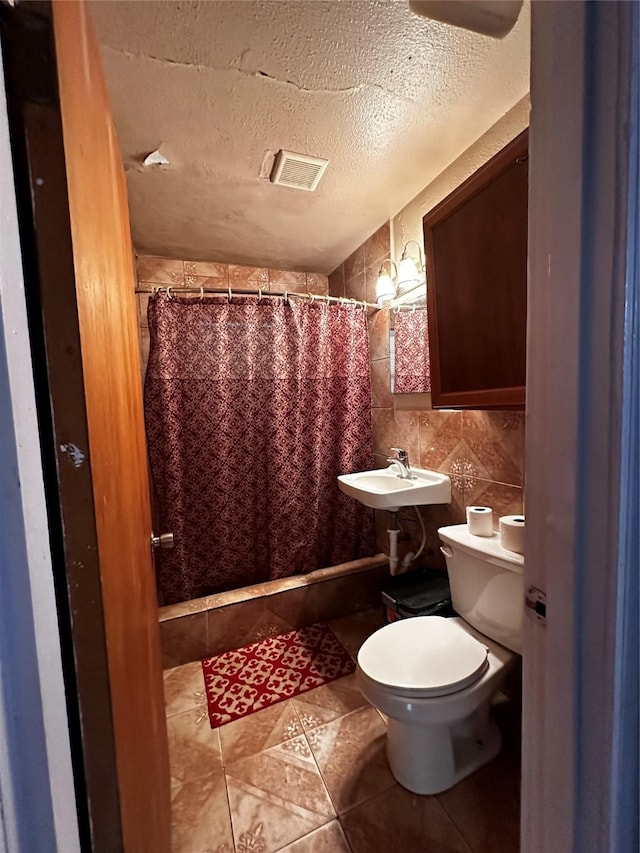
(393, 531)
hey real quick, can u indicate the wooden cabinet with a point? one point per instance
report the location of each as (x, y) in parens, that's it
(476, 261)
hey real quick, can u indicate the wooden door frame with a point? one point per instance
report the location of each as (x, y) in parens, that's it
(37, 797)
(50, 295)
(577, 248)
(551, 793)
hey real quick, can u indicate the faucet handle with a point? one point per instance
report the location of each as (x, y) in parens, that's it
(403, 456)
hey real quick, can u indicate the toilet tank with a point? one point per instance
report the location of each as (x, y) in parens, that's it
(487, 584)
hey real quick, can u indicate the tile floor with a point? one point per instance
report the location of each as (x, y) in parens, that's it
(309, 775)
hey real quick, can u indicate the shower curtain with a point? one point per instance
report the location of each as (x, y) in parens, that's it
(253, 407)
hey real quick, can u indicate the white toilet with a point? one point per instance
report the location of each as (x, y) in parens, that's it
(434, 678)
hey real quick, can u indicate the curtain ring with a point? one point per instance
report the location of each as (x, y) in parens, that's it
(229, 294)
(201, 293)
(310, 295)
(326, 297)
(259, 294)
(286, 297)
(169, 292)
(414, 308)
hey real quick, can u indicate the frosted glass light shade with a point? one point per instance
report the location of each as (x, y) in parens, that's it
(385, 288)
(408, 275)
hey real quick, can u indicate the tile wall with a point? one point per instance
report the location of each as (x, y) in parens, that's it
(482, 451)
(153, 271)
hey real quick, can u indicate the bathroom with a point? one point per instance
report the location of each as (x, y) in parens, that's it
(223, 781)
(482, 451)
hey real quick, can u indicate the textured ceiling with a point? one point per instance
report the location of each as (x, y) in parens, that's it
(388, 97)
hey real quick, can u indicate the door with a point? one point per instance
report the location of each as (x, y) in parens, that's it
(80, 287)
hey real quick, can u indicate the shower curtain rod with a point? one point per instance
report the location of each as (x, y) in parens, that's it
(231, 292)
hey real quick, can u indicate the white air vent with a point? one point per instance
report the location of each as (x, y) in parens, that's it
(298, 170)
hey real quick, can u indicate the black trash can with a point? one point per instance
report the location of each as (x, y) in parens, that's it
(422, 592)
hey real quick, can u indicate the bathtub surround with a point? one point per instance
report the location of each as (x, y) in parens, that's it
(253, 407)
(195, 629)
(481, 451)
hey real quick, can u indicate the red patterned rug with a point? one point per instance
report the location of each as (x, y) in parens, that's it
(243, 681)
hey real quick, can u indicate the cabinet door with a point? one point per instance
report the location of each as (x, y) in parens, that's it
(476, 259)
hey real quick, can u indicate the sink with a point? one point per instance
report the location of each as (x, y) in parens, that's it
(384, 489)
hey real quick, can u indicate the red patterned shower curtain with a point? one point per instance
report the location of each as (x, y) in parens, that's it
(253, 407)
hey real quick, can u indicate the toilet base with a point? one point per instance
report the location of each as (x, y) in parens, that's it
(431, 759)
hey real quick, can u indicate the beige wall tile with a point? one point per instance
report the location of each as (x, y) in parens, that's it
(380, 379)
(160, 270)
(370, 281)
(287, 280)
(354, 264)
(350, 594)
(205, 269)
(378, 246)
(336, 281)
(504, 500)
(143, 303)
(440, 437)
(497, 440)
(184, 639)
(318, 283)
(354, 287)
(379, 335)
(236, 625)
(292, 608)
(240, 275)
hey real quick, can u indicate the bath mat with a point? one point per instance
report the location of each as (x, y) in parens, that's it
(243, 681)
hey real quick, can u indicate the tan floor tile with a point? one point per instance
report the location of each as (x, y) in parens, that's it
(194, 747)
(276, 797)
(200, 820)
(259, 731)
(328, 839)
(184, 688)
(351, 758)
(399, 820)
(486, 806)
(353, 630)
(329, 702)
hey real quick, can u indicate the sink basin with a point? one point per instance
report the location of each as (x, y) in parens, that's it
(384, 489)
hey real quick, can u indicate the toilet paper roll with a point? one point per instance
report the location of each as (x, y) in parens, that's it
(480, 520)
(512, 533)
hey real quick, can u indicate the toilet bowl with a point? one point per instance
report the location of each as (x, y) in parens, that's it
(434, 678)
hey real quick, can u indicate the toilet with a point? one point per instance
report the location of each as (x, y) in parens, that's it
(434, 678)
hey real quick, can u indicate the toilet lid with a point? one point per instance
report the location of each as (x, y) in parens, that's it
(429, 654)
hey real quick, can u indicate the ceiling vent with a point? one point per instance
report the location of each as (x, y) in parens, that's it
(298, 170)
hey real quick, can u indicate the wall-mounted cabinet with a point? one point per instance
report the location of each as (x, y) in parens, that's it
(476, 261)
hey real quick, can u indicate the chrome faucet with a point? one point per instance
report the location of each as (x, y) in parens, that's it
(402, 461)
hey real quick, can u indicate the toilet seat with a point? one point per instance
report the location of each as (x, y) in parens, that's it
(425, 656)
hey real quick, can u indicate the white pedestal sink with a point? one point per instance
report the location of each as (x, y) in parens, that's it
(384, 489)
